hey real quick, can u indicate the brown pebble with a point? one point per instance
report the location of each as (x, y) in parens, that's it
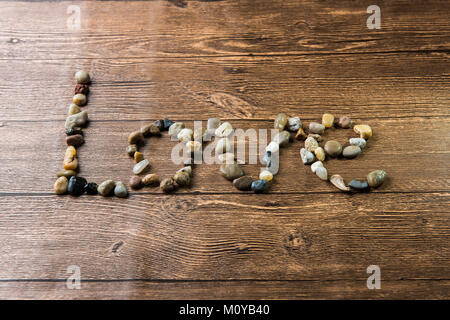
(138, 156)
(150, 130)
(243, 183)
(81, 88)
(344, 122)
(135, 182)
(159, 124)
(316, 136)
(75, 140)
(301, 135)
(168, 185)
(151, 179)
(132, 149)
(135, 137)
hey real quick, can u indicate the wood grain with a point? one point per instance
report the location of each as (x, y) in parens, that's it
(241, 61)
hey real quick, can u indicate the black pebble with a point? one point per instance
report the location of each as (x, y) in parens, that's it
(166, 124)
(76, 186)
(91, 188)
(260, 186)
(73, 131)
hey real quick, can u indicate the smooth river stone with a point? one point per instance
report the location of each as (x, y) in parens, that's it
(294, 124)
(76, 120)
(344, 122)
(333, 148)
(141, 166)
(322, 173)
(135, 137)
(282, 138)
(360, 185)
(351, 152)
(315, 127)
(327, 120)
(120, 190)
(135, 182)
(364, 130)
(260, 186)
(339, 183)
(106, 187)
(243, 183)
(376, 178)
(316, 165)
(182, 178)
(360, 142)
(76, 186)
(280, 121)
(307, 156)
(61, 185)
(231, 171)
(320, 154)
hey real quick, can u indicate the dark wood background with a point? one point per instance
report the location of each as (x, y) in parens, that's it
(243, 61)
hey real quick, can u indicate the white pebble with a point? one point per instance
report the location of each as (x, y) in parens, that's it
(273, 147)
(316, 165)
(265, 175)
(307, 156)
(224, 130)
(185, 135)
(322, 173)
(140, 166)
(360, 142)
(223, 146)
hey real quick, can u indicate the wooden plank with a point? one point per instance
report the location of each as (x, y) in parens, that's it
(228, 290)
(399, 146)
(219, 237)
(204, 28)
(374, 86)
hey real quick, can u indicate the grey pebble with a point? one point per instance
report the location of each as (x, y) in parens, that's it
(106, 187)
(351, 152)
(294, 124)
(76, 120)
(307, 156)
(315, 127)
(120, 190)
(360, 142)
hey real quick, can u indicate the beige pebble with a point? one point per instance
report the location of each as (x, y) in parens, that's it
(327, 120)
(61, 185)
(364, 131)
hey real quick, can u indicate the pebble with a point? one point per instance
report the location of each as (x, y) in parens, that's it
(91, 188)
(316, 136)
(294, 124)
(187, 169)
(212, 125)
(138, 156)
(73, 130)
(168, 185)
(120, 190)
(322, 173)
(194, 146)
(166, 124)
(333, 148)
(282, 138)
(320, 154)
(66, 173)
(300, 135)
(150, 179)
(182, 178)
(76, 120)
(351, 152)
(339, 183)
(76, 186)
(223, 146)
(136, 137)
(75, 140)
(376, 178)
(327, 120)
(280, 121)
(175, 129)
(243, 183)
(185, 135)
(132, 149)
(150, 130)
(315, 127)
(141, 166)
(364, 131)
(359, 185)
(70, 160)
(79, 99)
(200, 134)
(311, 144)
(159, 124)
(106, 187)
(81, 88)
(226, 157)
(73, 109)
(307, 156)
(260, 186)
(344, 122)
(360, 142)
(316, 165)
(265, 175)
(61, 185)
(224, 130)
(82, 77)
(273, 147)
(231, 171)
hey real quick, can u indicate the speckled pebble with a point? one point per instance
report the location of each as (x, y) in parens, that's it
(339, 183)
(141, 166)
(333, 148)
(311, 144)
(61, 185)
(360, 142)
(182, 178)
(187, 169)
(260, 186)
(315, 127)
(316, 136)
(351, 152)
(106, 187)
(327, 120)
(376, 178)
(280, 121)
(168, 185)
(120, 190)
(307, 156)
(74, 130)
(294, 124)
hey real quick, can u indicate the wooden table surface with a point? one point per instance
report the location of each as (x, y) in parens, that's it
(243, 61)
